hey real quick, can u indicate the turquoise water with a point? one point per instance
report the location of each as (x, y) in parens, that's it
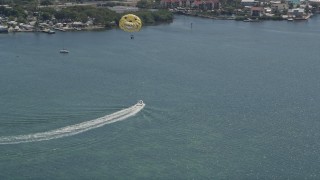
(224, 100)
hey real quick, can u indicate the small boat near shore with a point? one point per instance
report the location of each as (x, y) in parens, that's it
(301, 18)
(60, 29)
(3, 29)
(49, 31)
(251, 20)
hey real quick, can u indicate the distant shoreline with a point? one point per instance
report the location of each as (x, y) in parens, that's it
(52, 29)
(247, 19)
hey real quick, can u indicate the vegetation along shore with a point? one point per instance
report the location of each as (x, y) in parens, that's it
(77, 15)
(18, 17)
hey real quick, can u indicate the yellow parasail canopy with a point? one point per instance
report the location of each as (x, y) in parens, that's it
(130, 23)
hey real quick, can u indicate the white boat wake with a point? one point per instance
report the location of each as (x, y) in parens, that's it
(74, 129)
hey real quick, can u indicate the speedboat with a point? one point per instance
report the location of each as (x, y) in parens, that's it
(140, 103)
(64, 51)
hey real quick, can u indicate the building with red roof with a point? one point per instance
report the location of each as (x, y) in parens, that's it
(257, 11)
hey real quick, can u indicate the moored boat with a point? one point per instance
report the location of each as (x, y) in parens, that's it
(251, 20)
(49, 31)
(3, 29)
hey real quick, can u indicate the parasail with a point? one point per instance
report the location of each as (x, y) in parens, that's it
(130, 23)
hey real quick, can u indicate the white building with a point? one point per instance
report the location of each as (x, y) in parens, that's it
(248, 2)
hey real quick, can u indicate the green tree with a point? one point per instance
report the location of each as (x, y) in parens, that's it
(45, 16)
(144, 4)
(21, 20)
(46, 3)
(290, 5)
(307, 9)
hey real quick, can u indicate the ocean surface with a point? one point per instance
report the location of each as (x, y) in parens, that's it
(224, 100)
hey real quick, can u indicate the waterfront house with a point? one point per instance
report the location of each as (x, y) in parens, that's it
(176, 3)
(278, 6)
(200, 4)
(206, 4)
(78, 24)
(172, 3)
(26, 27)
(267, 10)
(257, 11)
(297, 13)
(315, 3)
(12, 23)
(294, 1)
(123, 9)
(44, 25)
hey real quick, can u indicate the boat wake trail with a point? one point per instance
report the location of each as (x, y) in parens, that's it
(74, 129)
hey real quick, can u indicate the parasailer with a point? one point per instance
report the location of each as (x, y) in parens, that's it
(130, 23)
